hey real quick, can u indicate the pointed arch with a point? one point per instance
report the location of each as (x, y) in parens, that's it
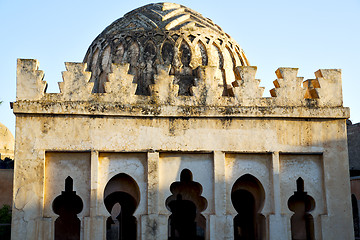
(124, 191)
(240, 57)
(184, 73)
(147, 69)
(228, 70)
(201, 54)
(248, 197)
(105, 65)
(132, 53)
(185, 53)
(216, 55)
(167, 52)
(119, 53)
(94, 69)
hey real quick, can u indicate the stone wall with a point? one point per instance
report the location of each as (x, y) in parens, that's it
(353, 134)
(271, 144)
(6, 186)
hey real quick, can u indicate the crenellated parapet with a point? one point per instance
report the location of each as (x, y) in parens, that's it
(120, 86)
(76, 85)
(288, 89)
(246, 90)
(164, 90)
(29, 80)
(327, 87)
(207, 90)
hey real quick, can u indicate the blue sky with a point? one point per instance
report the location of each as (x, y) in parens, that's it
(308, 35)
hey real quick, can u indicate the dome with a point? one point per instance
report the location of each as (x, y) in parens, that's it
(7, 142)
(168, 34)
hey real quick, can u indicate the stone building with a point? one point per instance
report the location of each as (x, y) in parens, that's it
(162, 133)
(353, 134)
(7, 142)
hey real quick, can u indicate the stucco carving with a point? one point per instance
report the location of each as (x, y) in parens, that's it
(163, 33)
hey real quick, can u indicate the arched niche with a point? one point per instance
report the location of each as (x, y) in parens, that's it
(119, 53)
(184, 73)
(201, 55)
(186, 205)
(167, 52)
(105, 69)
(248, 197)
(302, 222)
(216, 59)
(67, 206)
(132, 56)
(121, 199)
(147, 68)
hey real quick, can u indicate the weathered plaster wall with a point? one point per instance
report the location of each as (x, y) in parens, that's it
(250, 144)
(77, 166)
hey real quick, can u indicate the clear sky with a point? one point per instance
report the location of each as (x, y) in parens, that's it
(307, 34)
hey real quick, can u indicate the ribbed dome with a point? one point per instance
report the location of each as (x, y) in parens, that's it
(169, 34)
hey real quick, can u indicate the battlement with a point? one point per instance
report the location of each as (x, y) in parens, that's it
(208, 91)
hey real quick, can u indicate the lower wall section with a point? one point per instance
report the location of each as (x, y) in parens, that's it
(144, 193)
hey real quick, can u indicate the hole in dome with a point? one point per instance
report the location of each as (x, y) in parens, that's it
(175, 36)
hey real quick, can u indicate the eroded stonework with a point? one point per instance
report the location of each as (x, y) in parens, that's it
(164, 34)
(176, 138)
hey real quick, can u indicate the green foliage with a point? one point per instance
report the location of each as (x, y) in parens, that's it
(5, 218)
(5, 214)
